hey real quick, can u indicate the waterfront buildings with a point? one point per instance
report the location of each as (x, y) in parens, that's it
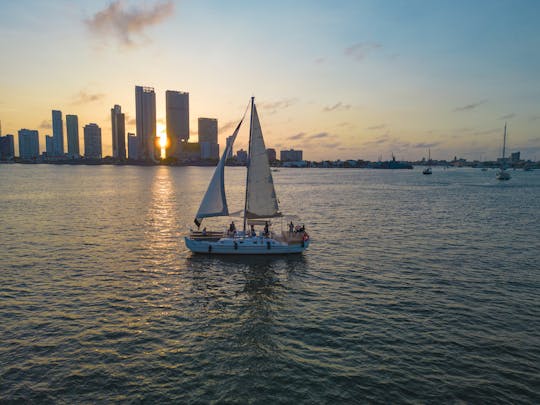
(133, 144)
(7, 147)
(208, 138)
(28, 144)
(58, 133)
(118, 125)
(291, 155)
(92, 141)
(229, 140)
(72, 129)
(177, 120)
(241, 156)
(145, 105)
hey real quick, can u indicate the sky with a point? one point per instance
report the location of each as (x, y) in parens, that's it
(360, 79)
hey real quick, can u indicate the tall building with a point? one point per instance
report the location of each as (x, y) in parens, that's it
(291, 155)
(208, 137)
(118, 125)
(145, 106)
(228, 142)
(177, 109)
(271, 154)
(92, 141)
(49, 146)
(7, 147)
(72, 127)
(28, 144)
(58, 132)
(133, 144)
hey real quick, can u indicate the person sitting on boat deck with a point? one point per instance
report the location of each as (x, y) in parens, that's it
(266, 232)
(302, 228)
(291, 227)
(232, 229)
(253, 233)
(204, 231)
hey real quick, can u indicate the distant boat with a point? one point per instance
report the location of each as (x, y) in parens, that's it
(427, 170)
(261, 205)
(502, 174)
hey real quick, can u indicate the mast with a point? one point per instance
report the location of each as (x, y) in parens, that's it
(504, 142)
(248, 163)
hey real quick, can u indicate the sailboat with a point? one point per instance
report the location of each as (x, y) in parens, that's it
(502, 174)
(260, 207)
(427, 170)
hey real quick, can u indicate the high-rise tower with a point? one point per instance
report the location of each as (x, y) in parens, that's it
(145, 105)
(58, 132)
(118, 125)
(92, 141)
(72, 129)
(177, 109)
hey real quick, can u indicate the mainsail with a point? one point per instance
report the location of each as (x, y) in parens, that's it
(214, 203)
(261, 200)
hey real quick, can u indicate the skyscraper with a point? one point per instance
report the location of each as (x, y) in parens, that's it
(208, 136)
(28, 144)
(133, 144)
(145, 106)
(177, 109)
(118, 125)
(92, 141)
(58, 132)
(49, 146)
(72, 127)
(7, 147)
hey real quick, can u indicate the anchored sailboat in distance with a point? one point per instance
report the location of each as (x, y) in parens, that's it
(261, 205)
(502, 174)
(427, 170)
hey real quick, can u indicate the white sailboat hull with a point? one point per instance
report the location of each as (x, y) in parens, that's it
(245, 246)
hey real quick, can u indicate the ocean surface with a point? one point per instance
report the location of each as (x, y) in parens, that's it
(415, 289)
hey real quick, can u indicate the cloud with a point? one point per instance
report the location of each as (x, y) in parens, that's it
(82, 97)
(471, 106)
(319, 61)
(338, 107)
(227, 126)
(360, 50)
(535, 117)
(424, 145)
(123, 23)
(297, 136)
(279, 104)
(45, 124)
(319, 135)
(507, 116)
(375, 127)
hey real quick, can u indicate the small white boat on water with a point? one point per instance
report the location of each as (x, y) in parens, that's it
(502, 174)
(261, 206)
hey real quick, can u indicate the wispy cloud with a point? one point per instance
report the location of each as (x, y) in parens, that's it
(45, 124)
(469, 107)
(297, 136)
(507, 116)
(375, 127)
(535, 117)
(123, 23)
(228, 125)
(319, 61)
(424, 145)
(277, 105)
(82, 97)
(319, 135)
(339, 106)
(360, 50)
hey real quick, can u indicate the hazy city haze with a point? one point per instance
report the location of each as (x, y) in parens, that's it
(350, 79)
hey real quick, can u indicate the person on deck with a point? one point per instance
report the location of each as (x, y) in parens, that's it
(291, 227)
(266, 232)
(253, 233)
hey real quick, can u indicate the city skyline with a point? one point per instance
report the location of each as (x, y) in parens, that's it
(351, 80)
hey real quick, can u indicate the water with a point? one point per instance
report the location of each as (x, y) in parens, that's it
(415, 289)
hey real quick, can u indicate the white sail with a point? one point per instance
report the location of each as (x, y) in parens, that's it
(214, 203)
(261, 200)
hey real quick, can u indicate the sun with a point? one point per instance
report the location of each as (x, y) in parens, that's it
(161, 133)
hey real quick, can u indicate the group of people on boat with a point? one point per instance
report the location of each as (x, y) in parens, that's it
(296, 229)
(231, 232)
